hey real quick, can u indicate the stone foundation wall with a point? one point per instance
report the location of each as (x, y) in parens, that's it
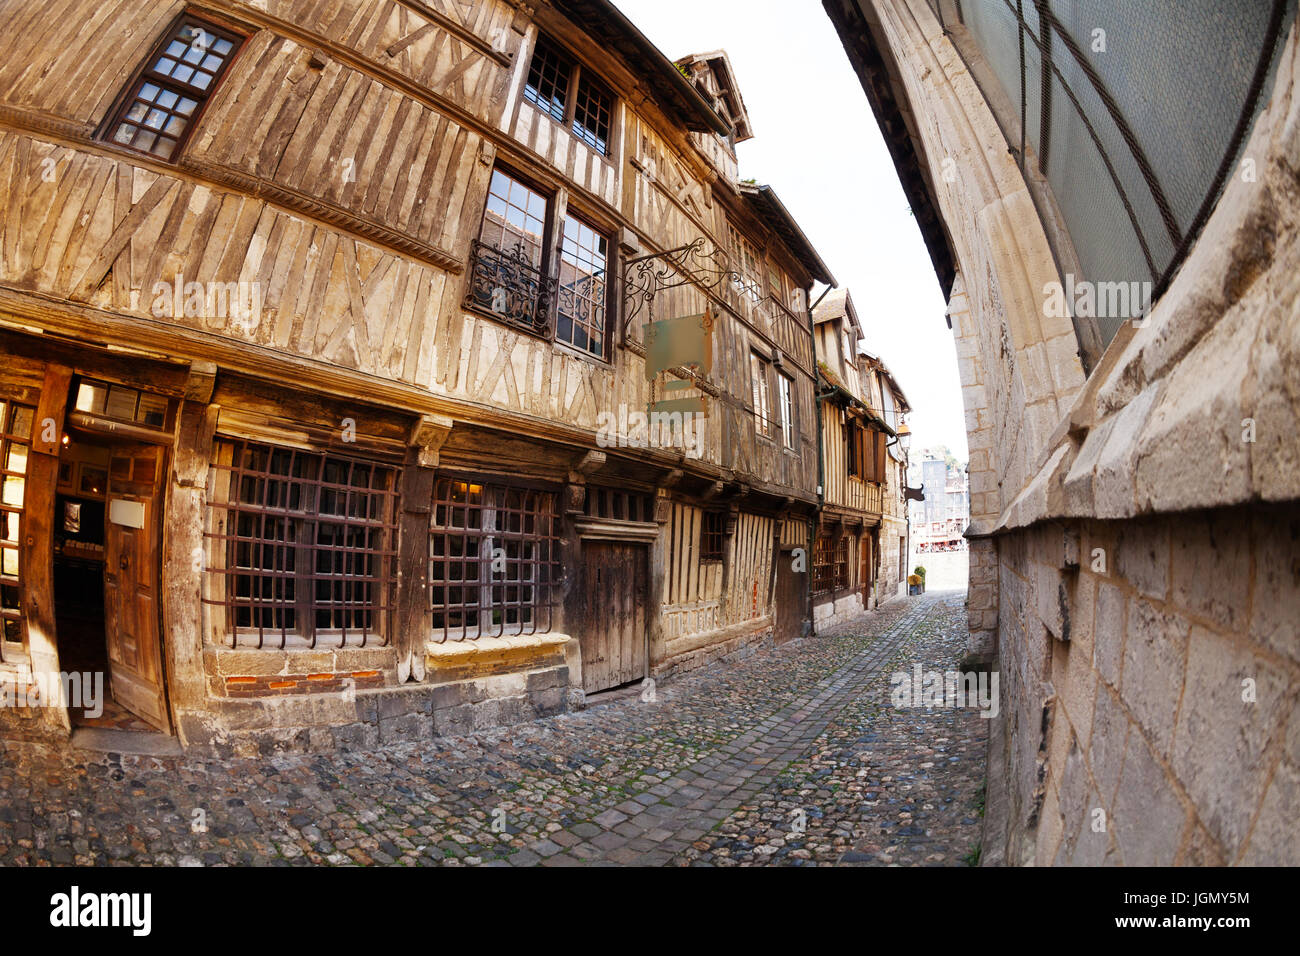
(1135, 559)
(740, 644)
(1152, 690)
(837, 608)
(367, 718)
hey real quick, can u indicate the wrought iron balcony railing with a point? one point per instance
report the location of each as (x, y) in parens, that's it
(508, 287)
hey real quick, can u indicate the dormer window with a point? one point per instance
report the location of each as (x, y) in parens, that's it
(565, 91)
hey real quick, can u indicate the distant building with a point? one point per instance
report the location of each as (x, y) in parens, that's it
(860, 551)
(939, 522)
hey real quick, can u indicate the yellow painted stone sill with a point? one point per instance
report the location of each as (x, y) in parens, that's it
(484, 656)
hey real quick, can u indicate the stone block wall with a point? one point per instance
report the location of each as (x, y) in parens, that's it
(1135, 539)
(1152, 690)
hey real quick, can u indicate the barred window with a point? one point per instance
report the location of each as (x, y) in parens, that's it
(823, 565)
(712, 535)
(494, 554)
(584, 287)
(16, 423)
(172, 89)
(304, 546)
(842, 563)
(548, 80)
(568, 93)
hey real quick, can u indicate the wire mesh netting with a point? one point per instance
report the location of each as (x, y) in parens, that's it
(1134, 113)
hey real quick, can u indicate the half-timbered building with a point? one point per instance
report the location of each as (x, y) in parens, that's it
(332, 407)
(861, 537)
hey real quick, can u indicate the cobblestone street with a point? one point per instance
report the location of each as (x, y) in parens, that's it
(789, 756)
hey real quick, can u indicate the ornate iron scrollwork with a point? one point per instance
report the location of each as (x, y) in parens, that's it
(700, 263)
(508, 287)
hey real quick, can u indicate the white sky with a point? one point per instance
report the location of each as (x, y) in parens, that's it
(817, 144)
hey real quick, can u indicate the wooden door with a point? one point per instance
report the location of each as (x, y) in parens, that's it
(613, 639)
(791, 599)
(131, 582)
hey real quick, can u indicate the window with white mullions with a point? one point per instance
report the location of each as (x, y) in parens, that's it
(16, 422)
(759, 367)
(583, 290)
(170, 92)
(785, 401)
(746, 280)
(508, 268)
(515, 218)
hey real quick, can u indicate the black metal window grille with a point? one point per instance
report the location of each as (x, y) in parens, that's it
(494, 556)
(712, 535)
(307, 542)
(548, 80)
(171, 91)
(515, 217)
(1135, 136)
(16, 423)
(507, 267)
(583, 287)
(823, 565)
(591, 114)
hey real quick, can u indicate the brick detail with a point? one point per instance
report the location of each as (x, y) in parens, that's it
(283, 684)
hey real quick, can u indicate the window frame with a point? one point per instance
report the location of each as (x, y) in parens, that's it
(609, 304)
(225, 507)
(575, 75)
(823, 564)
(747, 281)
(761, 387)
(853, 444)
(552, 255)
(144, 73)
(785, 401)
(841, 564)
(544, 587)
(19, 649)
(713, 535)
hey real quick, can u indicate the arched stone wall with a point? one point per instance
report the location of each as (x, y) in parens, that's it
(1135, 562)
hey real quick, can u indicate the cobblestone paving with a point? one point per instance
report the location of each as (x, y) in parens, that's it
(790, 756)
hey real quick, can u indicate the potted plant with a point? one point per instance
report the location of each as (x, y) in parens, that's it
(919, 571)
(913, 584)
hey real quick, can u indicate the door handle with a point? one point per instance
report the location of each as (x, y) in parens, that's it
(124, 562)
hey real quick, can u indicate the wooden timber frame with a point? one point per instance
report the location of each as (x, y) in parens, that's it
(359, 268)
